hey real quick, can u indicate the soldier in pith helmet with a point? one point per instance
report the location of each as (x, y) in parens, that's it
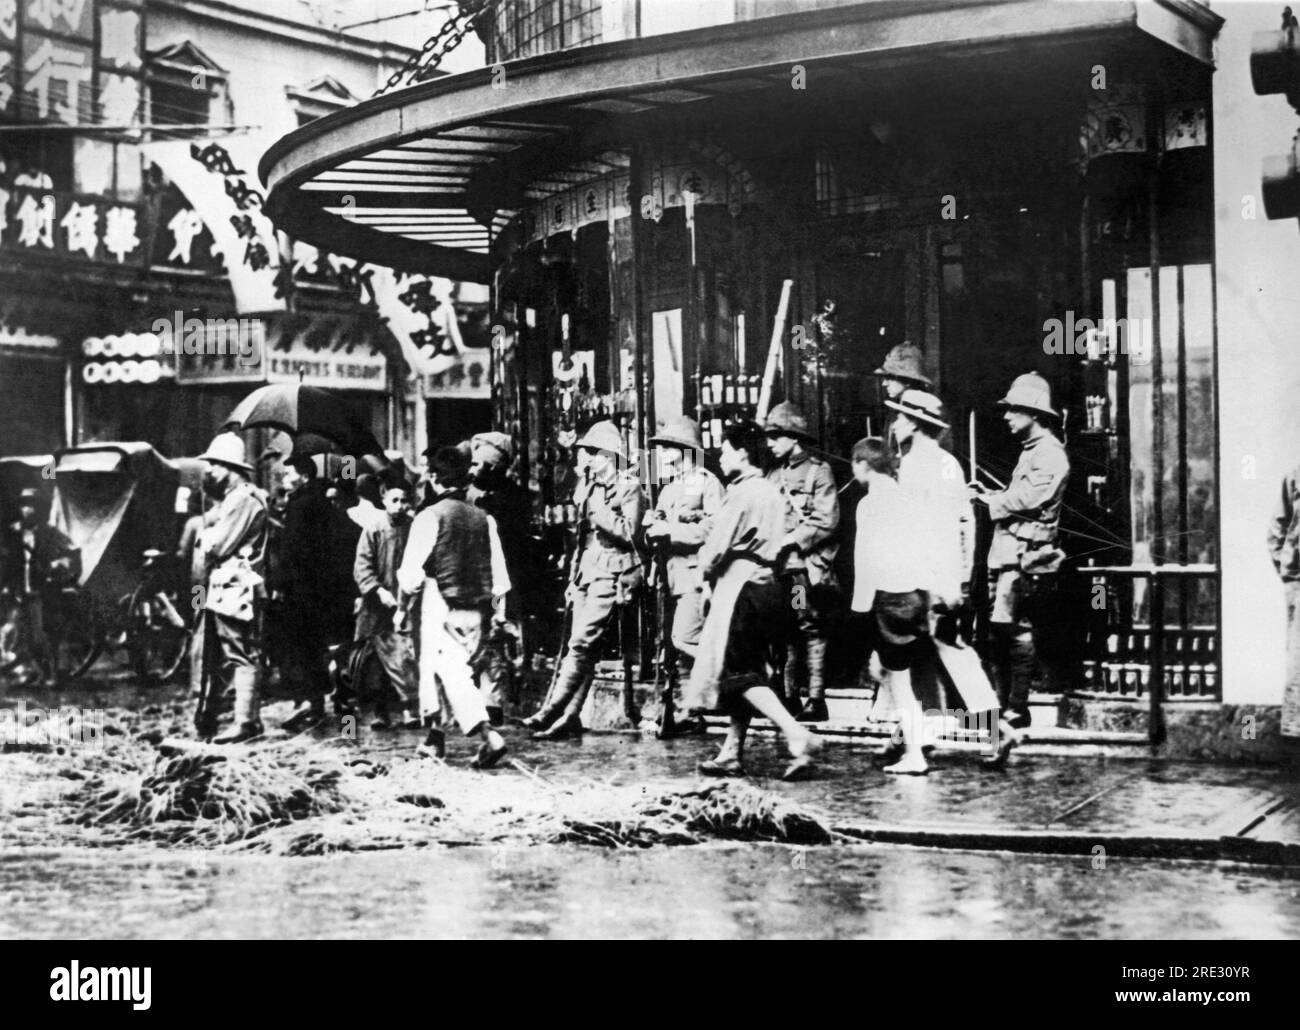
(681, 522)
(610, 506)
(804, 566)
(1026, 521)
(234, 553)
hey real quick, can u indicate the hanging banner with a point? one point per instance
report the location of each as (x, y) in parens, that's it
(1186, 125)
(1115, 123)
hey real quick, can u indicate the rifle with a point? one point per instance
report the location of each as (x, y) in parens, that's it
(205, 715)
(630, 709)
(571, 578)
(665, 681)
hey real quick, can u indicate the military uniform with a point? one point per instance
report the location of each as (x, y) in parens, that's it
(1026, 519)
(234, 553)
(809, 546)
(609, 571)
(688, 506)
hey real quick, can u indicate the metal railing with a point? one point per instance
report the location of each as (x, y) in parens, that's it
(1163, 662)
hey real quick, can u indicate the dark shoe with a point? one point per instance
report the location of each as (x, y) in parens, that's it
(533, 722)
(496, 717)
(727, 767)
(562, 730)
(381, 724)
(434, 746)
(239, 733)
(814, 711)
(793, 704)
(1019, 720)
(303, 719)
(488, 756)
(998, 759)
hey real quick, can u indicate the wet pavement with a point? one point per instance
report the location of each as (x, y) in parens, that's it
(709, 891)
(717, 890)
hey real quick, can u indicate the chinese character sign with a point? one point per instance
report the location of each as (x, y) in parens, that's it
(74, 18)
(56, 80)
(36, 221)
(119, 63)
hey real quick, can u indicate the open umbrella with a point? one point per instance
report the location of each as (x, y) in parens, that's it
(297, 409)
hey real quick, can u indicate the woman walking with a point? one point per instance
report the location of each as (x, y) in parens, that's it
(745, 630)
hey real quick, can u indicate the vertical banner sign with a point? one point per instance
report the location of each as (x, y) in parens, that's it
(120, 62)
(56, 62)
(8, 60)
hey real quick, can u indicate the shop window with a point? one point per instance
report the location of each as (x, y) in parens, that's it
(531, 27)
(827, 186)
(1171, 420)
(41, 160)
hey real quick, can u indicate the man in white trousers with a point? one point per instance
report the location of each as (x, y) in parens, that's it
(453, 557)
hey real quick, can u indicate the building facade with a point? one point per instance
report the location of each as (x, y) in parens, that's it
(144, 291)
(1013, 186)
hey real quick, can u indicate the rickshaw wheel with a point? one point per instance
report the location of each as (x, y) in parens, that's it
(156, 647)
(80, 642)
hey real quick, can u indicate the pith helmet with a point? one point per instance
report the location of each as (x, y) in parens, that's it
(904, 362)
(787, 420)
(228, 449)
(486, 442)
(679, 431)
(603, 436)
(1030, 392)
(920, 405)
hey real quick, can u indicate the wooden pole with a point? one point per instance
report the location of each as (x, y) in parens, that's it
(774, 350)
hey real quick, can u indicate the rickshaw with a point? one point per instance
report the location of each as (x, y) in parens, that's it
(124, 506)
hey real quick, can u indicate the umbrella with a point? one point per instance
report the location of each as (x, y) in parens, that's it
(302, 410)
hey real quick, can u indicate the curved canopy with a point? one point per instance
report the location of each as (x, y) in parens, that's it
(424, 178)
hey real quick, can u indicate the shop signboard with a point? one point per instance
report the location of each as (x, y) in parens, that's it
(81, 226)
(334, 370)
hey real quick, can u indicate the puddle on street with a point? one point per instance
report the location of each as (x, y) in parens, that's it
(713, 890)
(710, 891)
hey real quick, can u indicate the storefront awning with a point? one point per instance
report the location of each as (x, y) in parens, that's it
(424, 178)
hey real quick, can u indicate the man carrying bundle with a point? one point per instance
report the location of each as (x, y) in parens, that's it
(234, 554)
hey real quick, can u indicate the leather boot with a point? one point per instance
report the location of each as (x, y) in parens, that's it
(567, 683)
(999, 663)
(1023, 667)
(790, 676)
(569, 723)
(815, 710)
(247, 723)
